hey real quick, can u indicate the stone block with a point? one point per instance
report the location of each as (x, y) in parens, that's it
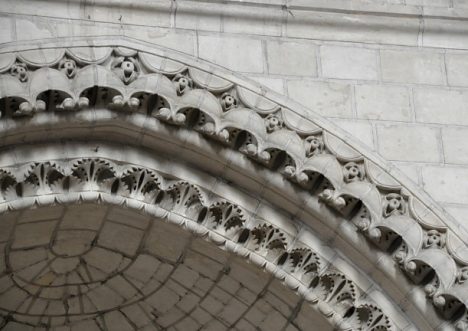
(33, 234)
(6, 25)
(33, 28)
(457, 69)
(361, 130)
(441, 106)
(185, 276)
(292, 58)
(163, 300)
(161, 241)
(239, 54)
(383, 102)
(349, 62)
(276, 84)
(455, 144)
(120, 215)
(460, 213)
(232, 311)
(328, 99)
(410, 170)
(184, 41)
(446, 184)
(420, 67)
(115, 320)
(86, 216)
(120, 237)
(409, 143)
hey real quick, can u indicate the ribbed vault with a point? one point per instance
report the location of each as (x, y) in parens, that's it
(384, 245)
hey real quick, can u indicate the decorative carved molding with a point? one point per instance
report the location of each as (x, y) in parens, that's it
(429, 253)
(100, 180)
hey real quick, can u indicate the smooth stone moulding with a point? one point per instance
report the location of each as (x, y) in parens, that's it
(209, 81)
(298, 121)
(380, 177)
(457, 248)
(124, 51)
(88, 55)
(161, 64)
(6, 61)
(256, 101)
(425, 216)
(42, 57)
(340, 148)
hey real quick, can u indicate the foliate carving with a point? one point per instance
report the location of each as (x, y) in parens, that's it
(72, 104)
(92, 171)
(68, 67)
(371, 318)
(228, 101)
(267, 241)
(334, 293)
(142, 183)
(434, 239)
(119, 102)
(303, 263)
(127, 68)
(183, 83)
(313, 145)
(462, 276)
(338, 292)
(27, 109)
(333, 199)
(394, 204)
(273, 123)
(226, 217)
(20, 71)
(353, 172)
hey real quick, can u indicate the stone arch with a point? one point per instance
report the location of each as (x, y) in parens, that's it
(196, 113)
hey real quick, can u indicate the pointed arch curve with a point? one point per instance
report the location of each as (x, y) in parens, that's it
(152, 98)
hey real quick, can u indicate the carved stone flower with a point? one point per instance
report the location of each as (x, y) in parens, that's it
(273, 123)
(126, 68)
(313, 145)
(183, 83)
(68, 67)
(434, 239)
(353, 172)
(20, 71)
(394, 204)
(228, 101)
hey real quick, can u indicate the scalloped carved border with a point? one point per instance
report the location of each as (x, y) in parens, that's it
(126, 80)
(224, 223)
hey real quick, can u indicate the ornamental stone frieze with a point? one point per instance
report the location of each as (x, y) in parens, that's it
(154, 99)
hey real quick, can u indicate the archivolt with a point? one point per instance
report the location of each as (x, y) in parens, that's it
(223, 222)
(141, 87)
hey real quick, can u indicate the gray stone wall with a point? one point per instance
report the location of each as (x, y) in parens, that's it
(394, 73)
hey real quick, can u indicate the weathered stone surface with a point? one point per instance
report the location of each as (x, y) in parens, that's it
(234, 53)
(329, 99)
(383, 102)
(446, 184)
(428, 103)
(457, 69)
(409, 143)
(412, 67)
(349, 62)
(292, 58)
(455, 150)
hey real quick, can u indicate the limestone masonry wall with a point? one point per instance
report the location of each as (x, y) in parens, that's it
(394, 73)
